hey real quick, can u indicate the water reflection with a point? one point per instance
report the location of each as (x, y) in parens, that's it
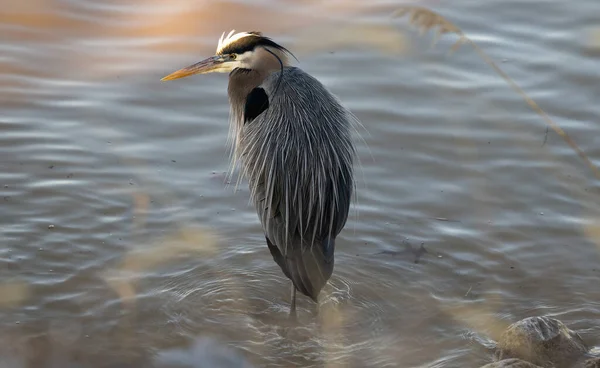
(153, 260)
(203, 353)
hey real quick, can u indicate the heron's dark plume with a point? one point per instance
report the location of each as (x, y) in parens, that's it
(249, 42)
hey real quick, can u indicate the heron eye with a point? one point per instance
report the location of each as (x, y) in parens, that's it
(233, 56)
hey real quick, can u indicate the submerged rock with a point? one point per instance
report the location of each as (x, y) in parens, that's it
(592, 363)
(543, 341)
(511, 363)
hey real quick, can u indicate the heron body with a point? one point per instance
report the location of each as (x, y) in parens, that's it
(293, 141)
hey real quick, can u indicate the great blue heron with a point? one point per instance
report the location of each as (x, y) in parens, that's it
(294, 141)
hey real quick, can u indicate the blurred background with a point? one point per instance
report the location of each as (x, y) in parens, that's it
(121, 244)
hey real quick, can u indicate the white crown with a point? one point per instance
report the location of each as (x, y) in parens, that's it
(224, 41)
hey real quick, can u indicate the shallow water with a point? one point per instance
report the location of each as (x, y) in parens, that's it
(121, 240)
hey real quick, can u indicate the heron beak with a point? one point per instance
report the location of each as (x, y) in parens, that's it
(211, 64)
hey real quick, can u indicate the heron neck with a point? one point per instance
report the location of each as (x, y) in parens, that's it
(241, 82)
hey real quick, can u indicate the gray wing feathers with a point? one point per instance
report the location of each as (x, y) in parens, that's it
(298, 156)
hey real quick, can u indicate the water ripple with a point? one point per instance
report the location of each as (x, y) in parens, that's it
(470, 213)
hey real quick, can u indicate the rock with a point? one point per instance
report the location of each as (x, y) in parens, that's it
(543, 341)
(592, 363)
(511, 363)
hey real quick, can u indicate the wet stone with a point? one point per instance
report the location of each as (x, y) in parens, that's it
(543, 341)
(592, 363)
(511, 363)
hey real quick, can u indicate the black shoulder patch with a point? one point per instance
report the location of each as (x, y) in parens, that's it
(256, 102)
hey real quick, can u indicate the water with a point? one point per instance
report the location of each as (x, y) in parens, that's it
(121, 241)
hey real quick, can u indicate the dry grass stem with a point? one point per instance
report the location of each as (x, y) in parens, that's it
(468, 291)
(13, 294)
(144, 258)
(592, 231)
(141, 204)
(425, 20)
(480, 318)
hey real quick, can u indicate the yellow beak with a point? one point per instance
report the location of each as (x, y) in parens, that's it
(208, 65)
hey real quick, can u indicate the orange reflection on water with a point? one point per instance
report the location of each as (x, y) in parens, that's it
(97, 40)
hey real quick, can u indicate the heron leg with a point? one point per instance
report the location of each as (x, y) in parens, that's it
(293, 303)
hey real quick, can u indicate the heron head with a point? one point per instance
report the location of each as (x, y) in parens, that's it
(244, 50)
